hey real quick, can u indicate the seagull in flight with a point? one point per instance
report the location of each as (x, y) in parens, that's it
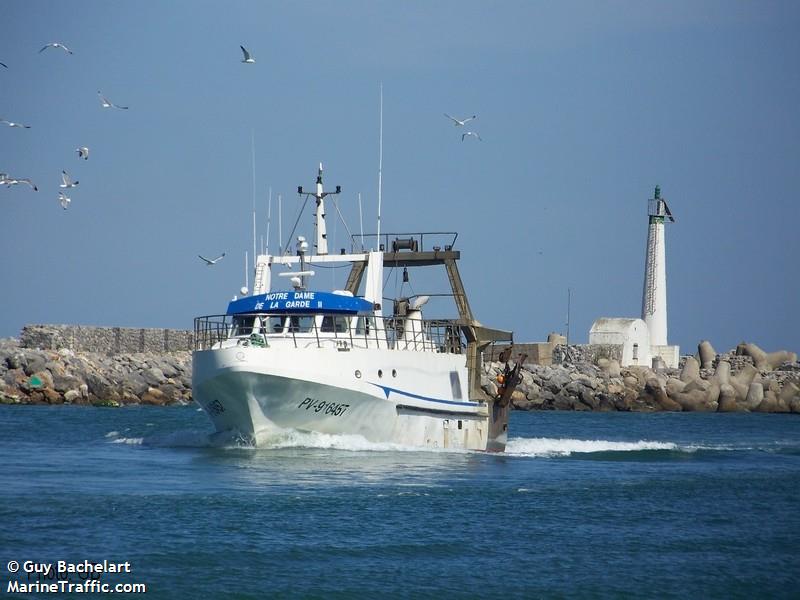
(470, 134)
(66, 181)
(212, 261)
(55, 45)
(64, 200)
(107, 103)
(247, 58)
(9, 181)
(460, 122)
(83, 152)
(12, 124)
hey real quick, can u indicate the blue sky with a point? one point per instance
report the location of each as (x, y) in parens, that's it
(583, 108)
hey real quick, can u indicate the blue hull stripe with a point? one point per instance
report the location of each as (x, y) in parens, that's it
(387, 390)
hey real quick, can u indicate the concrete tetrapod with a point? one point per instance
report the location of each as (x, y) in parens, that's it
(762, 360)
(707, 354)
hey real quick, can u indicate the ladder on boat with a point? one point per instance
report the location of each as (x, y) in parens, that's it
(259, 286)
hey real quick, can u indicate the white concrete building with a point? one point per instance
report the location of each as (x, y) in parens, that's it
(632, 334)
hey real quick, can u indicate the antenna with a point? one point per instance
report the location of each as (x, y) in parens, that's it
(280, 225)
(380, 167)
(361, 221)
(253, 154)
(569, 301)
(269, 216)
(246, 269)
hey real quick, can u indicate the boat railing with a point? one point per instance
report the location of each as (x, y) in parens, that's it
(393, 333)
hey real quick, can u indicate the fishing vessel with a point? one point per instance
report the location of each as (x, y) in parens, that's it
(350, 361)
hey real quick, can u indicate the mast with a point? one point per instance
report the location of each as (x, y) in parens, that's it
(319, 215)
(380, 168)
(253, 156)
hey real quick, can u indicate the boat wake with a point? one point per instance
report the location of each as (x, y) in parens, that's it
(265, 440)
(173, 439)
(275, 439)
(291, 438)
(547, 447)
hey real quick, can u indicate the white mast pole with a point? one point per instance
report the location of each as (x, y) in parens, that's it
(269, 216)
(361, 220)
(253, 155)
(246, 269)
(319, 215)
(280, 225)
(380, 168)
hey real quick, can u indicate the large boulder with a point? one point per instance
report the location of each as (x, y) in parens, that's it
(154, 396)
(153, 376)
(609, 366)
(64, 383)
(33, 363)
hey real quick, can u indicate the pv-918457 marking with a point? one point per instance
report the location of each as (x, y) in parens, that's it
(321, 406)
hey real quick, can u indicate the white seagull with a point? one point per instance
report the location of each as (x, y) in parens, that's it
(9, 181)
(470, 133)
(247, 58)
(12, 124)
(212, 261)
(55, 45)
(64, 200)
(66, 181)
(460, 122)
(107, 103)
(83, 152)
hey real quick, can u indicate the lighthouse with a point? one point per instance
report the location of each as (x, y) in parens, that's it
(654, 295)
(643, 342)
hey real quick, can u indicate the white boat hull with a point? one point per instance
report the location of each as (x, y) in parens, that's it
(385, 396)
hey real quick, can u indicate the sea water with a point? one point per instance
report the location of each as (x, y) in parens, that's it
(589, 505)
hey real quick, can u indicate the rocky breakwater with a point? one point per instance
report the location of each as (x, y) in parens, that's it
(743, 380)
(35, 376)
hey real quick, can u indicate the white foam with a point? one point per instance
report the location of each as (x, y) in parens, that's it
(566, 446)
(173, 439)
(291, 438)
(129, 441)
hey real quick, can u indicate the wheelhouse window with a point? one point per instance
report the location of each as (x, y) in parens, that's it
(243, 325)
(273, 324)
(301, 323)
(334, 323)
